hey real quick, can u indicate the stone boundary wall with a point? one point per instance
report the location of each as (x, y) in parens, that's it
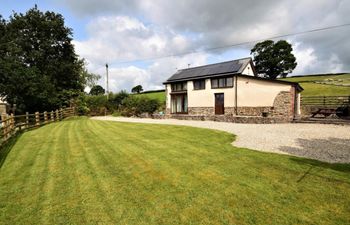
(254, 111)
(201, 110)
(232, 119)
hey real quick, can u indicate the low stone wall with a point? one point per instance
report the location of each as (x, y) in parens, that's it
(254, 111)
(232, 119)
(230, 111)
(201, 110)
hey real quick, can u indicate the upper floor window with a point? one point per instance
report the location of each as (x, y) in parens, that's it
(181, 86)
(224, 82)
(199, 84)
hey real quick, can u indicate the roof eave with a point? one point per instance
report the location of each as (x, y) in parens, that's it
(199, 77)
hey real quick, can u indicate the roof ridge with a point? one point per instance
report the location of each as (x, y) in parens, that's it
(213, 64)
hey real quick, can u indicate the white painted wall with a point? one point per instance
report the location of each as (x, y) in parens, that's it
(254, 93)
(168, 91)
(248, 70)
(206, 97)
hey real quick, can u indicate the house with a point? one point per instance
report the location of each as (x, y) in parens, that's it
(230, 91)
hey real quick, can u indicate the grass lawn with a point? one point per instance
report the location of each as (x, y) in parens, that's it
(83, 171)
(314, 89)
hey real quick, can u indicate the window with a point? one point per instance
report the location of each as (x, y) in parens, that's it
(222, 82)
(199, 84)
(179, 103)
(229, 82)
(181, 86)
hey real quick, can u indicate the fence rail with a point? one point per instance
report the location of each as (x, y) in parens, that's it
(11, 124)
(328, 101)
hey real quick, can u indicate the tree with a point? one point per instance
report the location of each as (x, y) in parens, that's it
(137, 89)
(38, 64)
(273, 59)
(97, 90)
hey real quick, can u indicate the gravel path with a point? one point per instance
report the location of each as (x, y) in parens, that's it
(324, 142)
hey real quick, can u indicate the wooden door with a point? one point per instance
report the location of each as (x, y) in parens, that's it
(219, 104)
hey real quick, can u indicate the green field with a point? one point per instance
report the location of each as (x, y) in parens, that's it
(329, 88)
(83, 171)
(160, 96)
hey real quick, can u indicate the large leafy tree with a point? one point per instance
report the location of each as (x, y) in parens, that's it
(38, 64)
(137, 89)
(274, 59)
(97, 90)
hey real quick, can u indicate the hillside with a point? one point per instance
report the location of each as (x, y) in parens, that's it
(159, 95)
(323, 85)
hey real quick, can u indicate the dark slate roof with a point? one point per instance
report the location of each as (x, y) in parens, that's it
(229, 67)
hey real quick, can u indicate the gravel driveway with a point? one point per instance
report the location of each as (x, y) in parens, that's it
(324, 142)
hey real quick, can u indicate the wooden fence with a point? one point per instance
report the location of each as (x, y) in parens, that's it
(11, 124)
(326, 101)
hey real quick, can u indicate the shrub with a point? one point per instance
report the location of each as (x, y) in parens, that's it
(115, 100)
(97, 104)
(136, 105)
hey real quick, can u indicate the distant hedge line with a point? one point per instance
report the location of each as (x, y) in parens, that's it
(120, 103)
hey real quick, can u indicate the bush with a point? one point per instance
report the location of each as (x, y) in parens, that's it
(136, 105)
(97, 104)
(118, 104)
(116, 100)
(81, 105)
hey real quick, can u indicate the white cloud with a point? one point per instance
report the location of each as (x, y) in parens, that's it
(171, 27)
(151, 77)
(122, 38)
(306, 59)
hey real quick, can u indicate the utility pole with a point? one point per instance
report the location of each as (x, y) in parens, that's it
(107, 88)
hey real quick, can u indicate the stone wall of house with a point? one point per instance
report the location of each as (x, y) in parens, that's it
(231, 119)
(253, 111)
(200, 111)
(283, 105)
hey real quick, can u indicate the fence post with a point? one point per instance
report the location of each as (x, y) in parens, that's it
(45, 117)
(52, 116)
(27, 120)
(12, 124)
(3, 124)
(56, 115)
(37, 119)
(61, 114)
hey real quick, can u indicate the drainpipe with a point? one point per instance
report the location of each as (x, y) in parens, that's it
(236, 110)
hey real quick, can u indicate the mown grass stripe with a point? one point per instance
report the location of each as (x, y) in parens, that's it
(91, 172)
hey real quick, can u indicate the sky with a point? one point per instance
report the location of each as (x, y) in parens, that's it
(125, 33)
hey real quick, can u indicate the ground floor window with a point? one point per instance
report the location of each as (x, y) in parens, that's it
(179, 103)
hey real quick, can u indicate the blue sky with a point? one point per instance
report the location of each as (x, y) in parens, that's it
(72, 21)
(116, 31)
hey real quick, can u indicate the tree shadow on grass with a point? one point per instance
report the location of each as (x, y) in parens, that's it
(6, 148)
(331, 150)
(321, 154)
(316, 169)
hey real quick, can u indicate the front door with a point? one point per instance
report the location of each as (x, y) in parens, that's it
(219, 104)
